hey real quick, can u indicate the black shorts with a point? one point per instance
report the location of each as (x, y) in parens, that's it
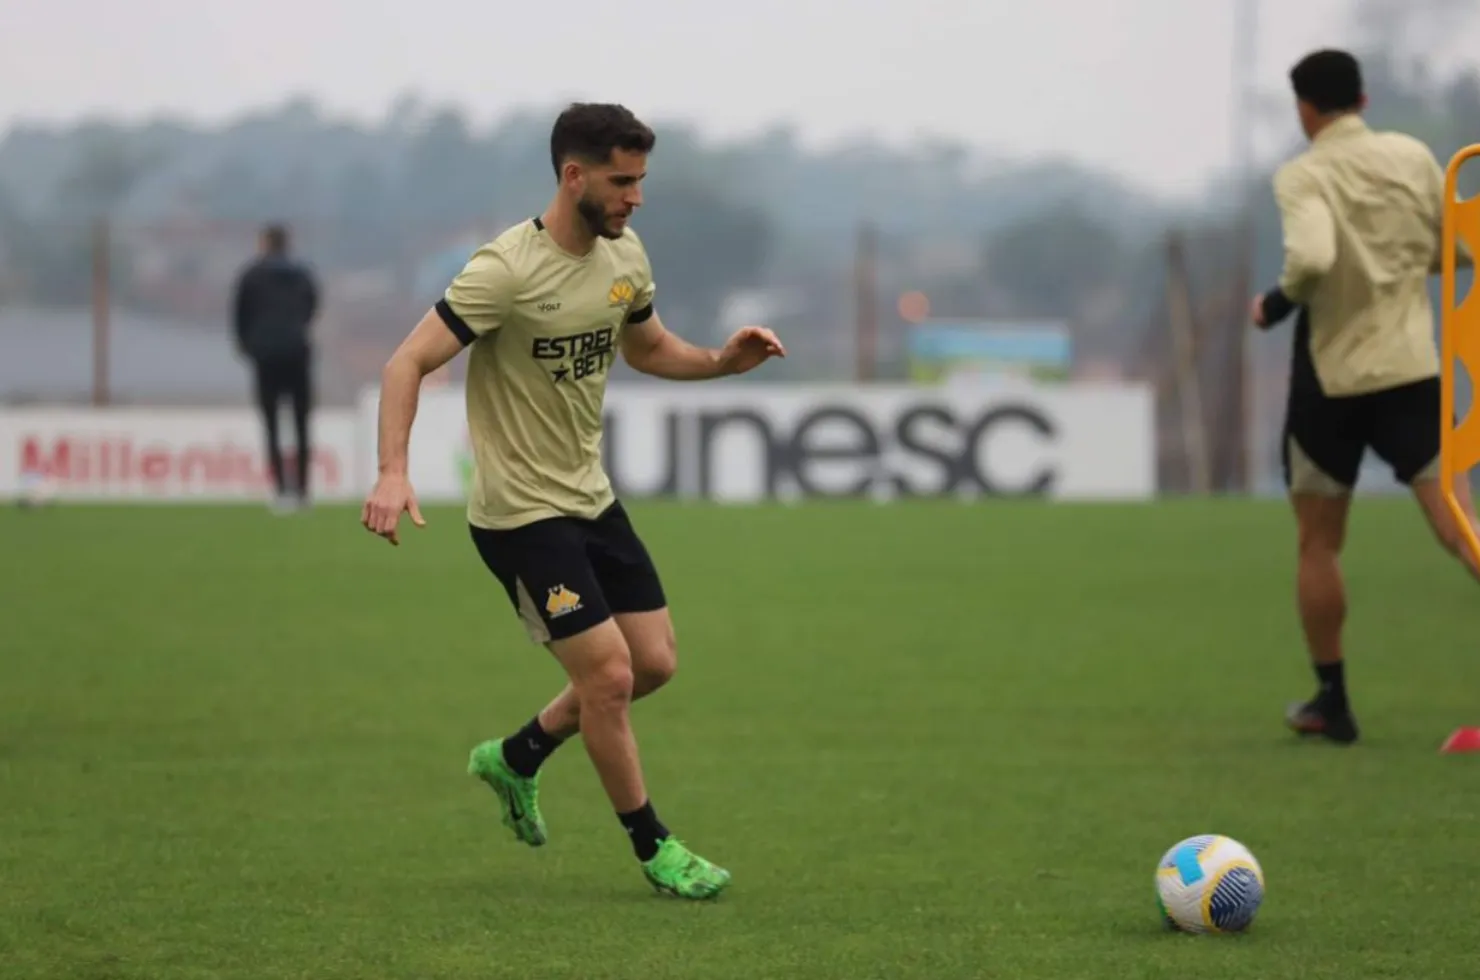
(1325, 438)
(565, 575)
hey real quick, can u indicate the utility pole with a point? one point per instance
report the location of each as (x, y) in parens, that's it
(102, 302)
(866, 286)
(1241, 475)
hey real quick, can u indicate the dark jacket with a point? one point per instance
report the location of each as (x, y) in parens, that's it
(276, 299)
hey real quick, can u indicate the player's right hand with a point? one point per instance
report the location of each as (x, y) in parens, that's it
(1256, 312)
(391, 497)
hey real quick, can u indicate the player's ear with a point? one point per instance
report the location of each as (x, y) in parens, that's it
(573, 175)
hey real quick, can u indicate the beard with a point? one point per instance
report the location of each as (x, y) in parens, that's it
(596, 219)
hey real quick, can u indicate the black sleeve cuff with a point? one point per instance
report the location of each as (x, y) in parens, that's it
(1277, 306)
(455, 323)
(642, 315)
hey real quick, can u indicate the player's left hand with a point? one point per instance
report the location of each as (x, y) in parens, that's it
(748, 349)
(1256, 312)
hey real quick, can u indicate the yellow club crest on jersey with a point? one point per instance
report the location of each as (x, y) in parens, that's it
(622, 293)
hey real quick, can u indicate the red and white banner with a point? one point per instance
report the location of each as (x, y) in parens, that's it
(165, 454)
(730, 443)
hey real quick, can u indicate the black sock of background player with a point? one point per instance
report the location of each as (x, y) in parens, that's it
(645, 830)
(1333, 685)
(527, 749)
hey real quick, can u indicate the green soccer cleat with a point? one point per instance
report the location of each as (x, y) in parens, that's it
(518, 794)
(676, 870)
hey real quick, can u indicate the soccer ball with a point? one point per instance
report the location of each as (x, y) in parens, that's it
(1209, 883)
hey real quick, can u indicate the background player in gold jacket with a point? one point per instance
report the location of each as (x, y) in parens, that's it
(1362, 216)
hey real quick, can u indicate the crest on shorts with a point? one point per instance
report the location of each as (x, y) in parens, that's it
(622, 293)
(561, 601)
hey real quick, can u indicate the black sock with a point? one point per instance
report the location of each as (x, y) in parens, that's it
(1333, 685)
(645, 830)
(527, 749)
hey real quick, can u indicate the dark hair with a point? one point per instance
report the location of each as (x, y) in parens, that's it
(591, 131)
(1330, 80)
(276, 237)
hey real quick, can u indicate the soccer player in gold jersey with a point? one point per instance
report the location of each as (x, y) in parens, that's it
(543, 310)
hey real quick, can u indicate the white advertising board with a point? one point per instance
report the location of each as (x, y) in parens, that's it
(726, 443)
(140, 454)
(752, 443)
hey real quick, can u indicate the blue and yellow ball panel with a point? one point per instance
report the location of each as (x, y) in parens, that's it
(1232, 899)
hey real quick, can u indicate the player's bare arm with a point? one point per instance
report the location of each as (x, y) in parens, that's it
(652, 349)
(428, 346)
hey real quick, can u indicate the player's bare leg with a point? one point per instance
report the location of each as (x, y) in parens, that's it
(600, 667)
(602, 685)
(654, 651)
(654, 647)
(600, 670)
(1321, 525)
(1435, 508)
(511, 766)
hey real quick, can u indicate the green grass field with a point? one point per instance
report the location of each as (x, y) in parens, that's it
(933, 741)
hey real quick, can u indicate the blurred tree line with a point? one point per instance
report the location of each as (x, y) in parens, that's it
(981, 237)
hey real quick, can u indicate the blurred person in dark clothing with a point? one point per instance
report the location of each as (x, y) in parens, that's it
(275, 300)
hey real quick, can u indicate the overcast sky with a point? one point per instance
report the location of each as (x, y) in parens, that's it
(1143, 85)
